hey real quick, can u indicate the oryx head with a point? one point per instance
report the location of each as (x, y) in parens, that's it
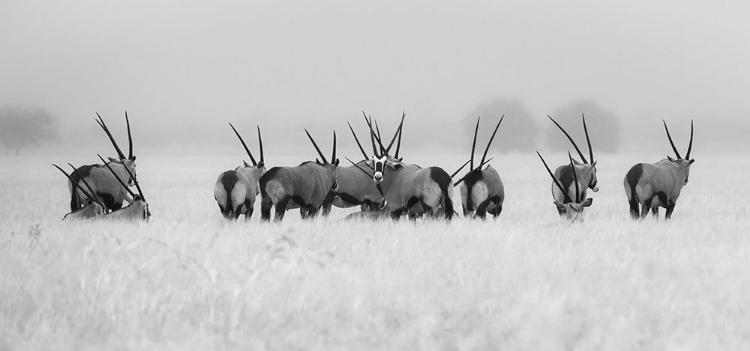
(683, 165)
(129, 161)
(572, 208)
(260, 166)
(472, 170)
(332, 166)
(588, 168)
(381, 158)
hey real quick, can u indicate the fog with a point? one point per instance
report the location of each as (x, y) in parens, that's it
(183, 69)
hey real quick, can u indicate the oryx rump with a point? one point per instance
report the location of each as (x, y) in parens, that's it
(659, 184)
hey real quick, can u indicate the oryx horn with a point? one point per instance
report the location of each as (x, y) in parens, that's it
(588, 141)
(357, 140)
(322, 158)
(491, 138)
(78, 186)
(474, 144)
(252, 159)
(101, 123)
(480, 166)
(130, 137)
(93, 196)
(571, 139)
(372, 134)
(460, 168)
(333, 155)
(260, 144)
(398, 133)
(677, 153)
(559, 186)
(575, 178)
(690, 146)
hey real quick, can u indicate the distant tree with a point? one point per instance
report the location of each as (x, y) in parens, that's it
(22, 127)
(603, 126)
(518, 132)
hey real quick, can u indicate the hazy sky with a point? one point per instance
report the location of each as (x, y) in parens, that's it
(184, 68)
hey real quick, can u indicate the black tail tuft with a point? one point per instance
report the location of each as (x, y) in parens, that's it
(632, 178)
(443, 179)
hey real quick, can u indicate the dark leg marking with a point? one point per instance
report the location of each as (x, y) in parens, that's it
(281, 208)
(265, 208)
(646, 207)
(633, 175)
(670, 208)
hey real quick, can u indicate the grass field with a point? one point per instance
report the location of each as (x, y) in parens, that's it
(529, 280)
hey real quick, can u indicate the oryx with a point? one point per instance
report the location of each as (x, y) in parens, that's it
(355, 187)
(570, 207)
(304, 186)
(102, 181)
(138, 208)
(482, 190)
(235, 190)
(94, 208)
(585, 172)
(409, 188)
(658, 184)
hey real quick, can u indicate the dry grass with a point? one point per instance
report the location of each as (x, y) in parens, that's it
(190, 280)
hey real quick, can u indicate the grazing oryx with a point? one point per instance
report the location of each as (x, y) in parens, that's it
(409, 188)
(482, 190)
(658, 184)
(572, 208)
(355, 187)
(304, 186)
(136, 210)
(235, 190)
(94, 208)
(102, 181)
(585, 171)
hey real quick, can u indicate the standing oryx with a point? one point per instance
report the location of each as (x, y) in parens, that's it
(408, 188)
(304, 186)
(94, 208)
(658, 184)
(570, 207)
(355, 188)
(585, 171)
(102, 181)
(235, 191)
(482, 191)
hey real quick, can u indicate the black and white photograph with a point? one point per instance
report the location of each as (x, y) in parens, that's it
(374, 175)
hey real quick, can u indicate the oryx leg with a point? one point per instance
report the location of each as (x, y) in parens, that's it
(634, 211)
(249, 212)
(646, 206)
(397, 213)
(328, 203)
(280, 208)
(655, 212)
(495, 211)
(482, 209)
(662, 201)
(265, 208)
(670, 208)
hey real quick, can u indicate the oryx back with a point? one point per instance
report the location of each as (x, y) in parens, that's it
(355, 188)
(102, 182)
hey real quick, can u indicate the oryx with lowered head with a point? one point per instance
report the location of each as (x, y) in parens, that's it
(355, 186)
(93, 208)
(572, 206)
(235, 190)
(138, 208)
(651, 186)
(304, 186)
(585, 172)
(482, 190)
(103, 183)
(409, 188)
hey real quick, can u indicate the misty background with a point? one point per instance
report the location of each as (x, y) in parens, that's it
(183, 69)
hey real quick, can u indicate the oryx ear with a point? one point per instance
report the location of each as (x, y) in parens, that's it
(575, 162)
(397, 166)
(318, 161)
(594, 164)
(400, 159)
(336, 162)
(245, 163)
(670, 158)
(691, 161)
(113, 159)
(132, 158)
(261, 164)
(587, 203)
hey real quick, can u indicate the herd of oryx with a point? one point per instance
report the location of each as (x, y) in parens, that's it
(381, 184)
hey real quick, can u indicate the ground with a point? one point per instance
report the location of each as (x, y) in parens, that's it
(528, 280)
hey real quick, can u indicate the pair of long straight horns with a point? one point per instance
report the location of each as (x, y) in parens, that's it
(260, 143)
(101, 123)
(588, 141)
(91, 194)
(559, 186)
(320, 153)
(474, 143)
(690, 145)
(137, 185)
(375, 136)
